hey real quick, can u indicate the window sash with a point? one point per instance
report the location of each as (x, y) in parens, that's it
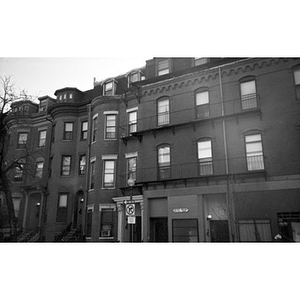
(110, 132)
(82, 164)
(163, 67)
(163, 112)
(254, 152)
(84, 130)
(132, 116)
(109, 174)
(66, 165)
(39, 169)
(131, 168)
(68, 132)
(92, 175)
(94, 126)
(22, 140)
(42, 138)
(202, 98)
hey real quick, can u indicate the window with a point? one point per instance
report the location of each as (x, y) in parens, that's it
(164, 159)
(94, 128)
(205, 158)
(39, 169)
(201, 61)
(163, 67)
(255, 231)
(297, 81)
(16, 204)
(92, 175)
(82, 164)
(131, 168)
(22, 140)
(109, 174)
(108, 89)
(254, 152)
(43, 106)
(108, 220)
(68, 131)
(62, 207)
(185, 230)
(42, 138)
(19, 171)
(163, 112)
(65, 165)
(110, 128)
(84, 130)
(202, 104)
(248, 94)
(71, 96)
(132, 121)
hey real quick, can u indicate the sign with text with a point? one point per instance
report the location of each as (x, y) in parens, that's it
(131, 220)
(180, 210)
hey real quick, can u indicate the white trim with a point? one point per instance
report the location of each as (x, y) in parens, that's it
(130, 155)
(131, 109)
(137, 199)
(23, 130)
(43, 128)
(109, 157)
(92, 159)
(107, 206)
(91, 207)
(112, 112)
(95, 116)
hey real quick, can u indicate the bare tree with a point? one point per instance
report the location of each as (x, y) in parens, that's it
(8, 160)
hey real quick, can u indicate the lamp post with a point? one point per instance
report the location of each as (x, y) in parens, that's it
(131, 183)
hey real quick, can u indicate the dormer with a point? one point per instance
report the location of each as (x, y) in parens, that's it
(68, 94)
(45, 102)
(24, 107)
(135, 75)
(109, 87)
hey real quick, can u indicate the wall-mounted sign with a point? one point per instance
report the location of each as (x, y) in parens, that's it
(180, 210)
(131, 220)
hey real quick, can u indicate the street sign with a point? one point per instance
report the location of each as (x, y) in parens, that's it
(131, 220)
(130, 210)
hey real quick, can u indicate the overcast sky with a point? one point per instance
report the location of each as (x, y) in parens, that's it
(43, 76)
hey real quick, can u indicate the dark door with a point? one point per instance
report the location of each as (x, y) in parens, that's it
(219, 231)
(159, 230)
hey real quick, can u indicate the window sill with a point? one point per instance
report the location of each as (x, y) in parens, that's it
(106, 238)
(91, 190)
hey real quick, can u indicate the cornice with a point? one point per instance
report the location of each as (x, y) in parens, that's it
(99, 100)
(204, 76)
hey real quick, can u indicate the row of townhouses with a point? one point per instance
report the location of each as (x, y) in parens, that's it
(179, 150)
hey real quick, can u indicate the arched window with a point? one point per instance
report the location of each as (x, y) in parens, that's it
(202, 103)
(164, 161)
(248, 93)
(205, 157)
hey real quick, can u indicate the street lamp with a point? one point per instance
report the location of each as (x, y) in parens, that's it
(131, 183)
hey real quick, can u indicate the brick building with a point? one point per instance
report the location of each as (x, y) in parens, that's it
(211, 144)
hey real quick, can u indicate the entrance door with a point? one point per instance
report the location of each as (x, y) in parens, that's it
(219, 231)
(159, 230)
(77, 210)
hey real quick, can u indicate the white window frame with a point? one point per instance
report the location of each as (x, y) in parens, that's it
(162, 69)
(163, 112)
(205, 157)
(252, 141)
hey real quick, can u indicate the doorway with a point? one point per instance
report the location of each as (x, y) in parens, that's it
(159, 230)
(219, 231)
(77, 212)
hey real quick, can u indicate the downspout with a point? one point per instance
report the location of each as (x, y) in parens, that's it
(87, 179)
(228, 200)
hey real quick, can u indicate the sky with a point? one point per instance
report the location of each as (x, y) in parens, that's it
(42, 76)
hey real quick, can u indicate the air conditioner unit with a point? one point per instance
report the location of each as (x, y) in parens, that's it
(105, 233)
